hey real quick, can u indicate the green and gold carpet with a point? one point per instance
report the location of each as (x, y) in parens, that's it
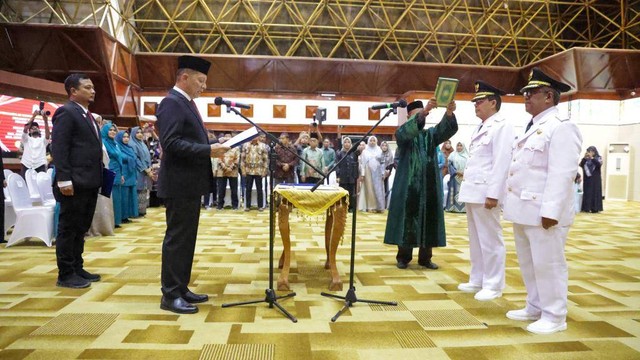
(119, 317)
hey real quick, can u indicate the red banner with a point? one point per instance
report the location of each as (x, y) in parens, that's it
(15, 112)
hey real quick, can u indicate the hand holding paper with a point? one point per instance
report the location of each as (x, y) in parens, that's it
(242, 138)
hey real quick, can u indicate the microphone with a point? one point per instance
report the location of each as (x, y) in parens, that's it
(400, 103)
(220, 101)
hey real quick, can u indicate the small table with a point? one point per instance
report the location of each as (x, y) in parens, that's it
(334, 201)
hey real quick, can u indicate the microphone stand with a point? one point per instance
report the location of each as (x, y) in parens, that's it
(270, 294)
(350, 298)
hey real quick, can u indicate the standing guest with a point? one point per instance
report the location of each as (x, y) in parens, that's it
(329, 156)
(129, 194)
(286, 161)
(145, 176)
(102, 223)
(109, 132)
(227, 171)
(77, 155)
(482, 190)
(446, 149)
(372, 174)
(361, 202)
(348, 171)
(591, 165)
(539, 202)
(388, 163)
(418, 177)
(255, 165)
(416, 218)
(211, 199)
(185, 175)
(34, 145)
(457, 163)
(301, 143)
(315, 157)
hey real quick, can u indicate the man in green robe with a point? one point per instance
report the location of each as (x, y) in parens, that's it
(416, 217)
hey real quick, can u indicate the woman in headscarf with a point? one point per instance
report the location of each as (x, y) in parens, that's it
(347, 171)
(388, 164)
(129, 194)
(102, 223)
(109, 132)
(457, 164)
(143, 168)
(591, 166)
(372, 173)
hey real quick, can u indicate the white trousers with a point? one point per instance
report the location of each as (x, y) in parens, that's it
(544, 269)
(486, 247)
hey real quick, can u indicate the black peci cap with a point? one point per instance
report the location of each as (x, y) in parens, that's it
(415, 105)
(194, 63)
(483, 90)
(539, 79)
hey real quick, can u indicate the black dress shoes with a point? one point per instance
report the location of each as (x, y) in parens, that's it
(177, 305)
(429, 265)
(74, 282)
(88, 276)
(402, 265)
(194, 298)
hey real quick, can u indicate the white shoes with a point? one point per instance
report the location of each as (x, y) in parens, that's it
(543, 327)
(469, 287)
(522, 315)
(486, 295)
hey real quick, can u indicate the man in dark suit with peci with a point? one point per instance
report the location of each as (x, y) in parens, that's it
(185, 175)
(76, 147)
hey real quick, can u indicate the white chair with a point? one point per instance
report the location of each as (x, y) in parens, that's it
(45, 189)
(31, 221)
(9, 212)
(31, 176)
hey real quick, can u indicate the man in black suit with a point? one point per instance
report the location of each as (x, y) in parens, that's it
(76, 147)
(185, 175)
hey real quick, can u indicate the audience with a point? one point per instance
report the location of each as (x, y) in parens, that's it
(109, 132)
(129, 172)
(145, 177)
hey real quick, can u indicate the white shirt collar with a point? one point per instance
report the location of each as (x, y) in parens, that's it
(542, 114)
(182, 93)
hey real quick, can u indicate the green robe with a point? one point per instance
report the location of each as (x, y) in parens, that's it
(416, 218)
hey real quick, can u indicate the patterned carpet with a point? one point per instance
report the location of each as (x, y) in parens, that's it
(120, 318)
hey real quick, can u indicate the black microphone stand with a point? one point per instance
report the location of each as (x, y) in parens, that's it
(350, 298)
(270, 294)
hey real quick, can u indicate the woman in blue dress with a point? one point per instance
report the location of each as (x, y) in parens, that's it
(129, 193)
(109, 132)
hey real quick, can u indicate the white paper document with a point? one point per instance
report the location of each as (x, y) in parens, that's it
(242, 138)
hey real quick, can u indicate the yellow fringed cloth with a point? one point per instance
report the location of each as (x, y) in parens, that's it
(308, 202)
(330, 199)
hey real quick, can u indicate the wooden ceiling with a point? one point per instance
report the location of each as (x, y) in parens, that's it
(51, 52)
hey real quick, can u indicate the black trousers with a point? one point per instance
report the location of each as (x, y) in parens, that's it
(405, 254)
(76, 213)
(250, 179)
(351, 188)
(222, 190)
(183, 216)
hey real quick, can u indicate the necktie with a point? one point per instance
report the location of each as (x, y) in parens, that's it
(92, 122)
(529, 125)
(195, 108)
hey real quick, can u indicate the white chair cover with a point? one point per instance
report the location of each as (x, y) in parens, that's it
(31, 221)
(31, 176)
(45, 189)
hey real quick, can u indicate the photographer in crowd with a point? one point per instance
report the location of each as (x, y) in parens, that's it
(35, 146)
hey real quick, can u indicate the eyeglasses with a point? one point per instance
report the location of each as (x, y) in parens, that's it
(530, 93)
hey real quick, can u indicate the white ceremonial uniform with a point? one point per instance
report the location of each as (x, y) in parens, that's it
(539, 184)
(484, 177)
